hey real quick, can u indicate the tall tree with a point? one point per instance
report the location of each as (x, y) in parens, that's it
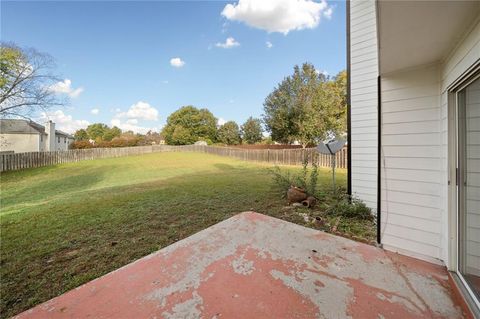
(81, 135)
(252, 131)
(188, 125)
(25, 81)
(96, 131)
(229, 133)
(337, 96)
(111, 133)
(305, 107)
(181, 136)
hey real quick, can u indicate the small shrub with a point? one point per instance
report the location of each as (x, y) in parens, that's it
(350, 207)
(124, 141)
(302, 180)
(78, 145)
(307, 179)
(313, 182)
(103, 144)
(282, 180)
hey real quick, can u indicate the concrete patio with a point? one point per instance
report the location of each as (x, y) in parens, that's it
(254, 266)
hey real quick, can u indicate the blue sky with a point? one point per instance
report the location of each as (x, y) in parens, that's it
(117, 55)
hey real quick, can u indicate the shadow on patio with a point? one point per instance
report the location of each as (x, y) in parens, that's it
(254, 266)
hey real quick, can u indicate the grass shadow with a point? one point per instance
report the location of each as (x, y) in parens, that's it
(43, 191)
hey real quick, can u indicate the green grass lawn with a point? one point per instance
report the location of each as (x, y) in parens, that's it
(64, 225)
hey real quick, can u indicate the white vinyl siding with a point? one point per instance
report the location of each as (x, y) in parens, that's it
(415, 154)
(363, 77)
(415, 136)
(412, 162)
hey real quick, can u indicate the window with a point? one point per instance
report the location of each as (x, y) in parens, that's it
(59, 139)
(65, 140)
(41, 137)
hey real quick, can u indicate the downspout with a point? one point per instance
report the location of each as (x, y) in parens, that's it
(379, 161)
(349, 108)
(379, 132)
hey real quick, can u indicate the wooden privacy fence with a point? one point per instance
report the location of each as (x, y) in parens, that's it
(18, 161)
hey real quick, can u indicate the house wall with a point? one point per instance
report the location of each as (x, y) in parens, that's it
(465, 55)
(416, 209)
(43, 142)
(364, 101)
(20, 143)
(412, 176)
(63, 144)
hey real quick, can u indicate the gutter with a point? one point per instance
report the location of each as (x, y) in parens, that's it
(349, 108)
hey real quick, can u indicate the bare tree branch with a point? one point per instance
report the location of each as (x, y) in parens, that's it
(25, 81)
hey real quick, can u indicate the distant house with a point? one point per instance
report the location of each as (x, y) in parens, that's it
(21, 136)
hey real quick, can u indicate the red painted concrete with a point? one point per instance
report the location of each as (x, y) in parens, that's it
(254, 266)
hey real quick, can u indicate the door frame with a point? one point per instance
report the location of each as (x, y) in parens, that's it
(453, 189)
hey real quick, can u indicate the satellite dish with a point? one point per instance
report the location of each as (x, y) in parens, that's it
(331, 147)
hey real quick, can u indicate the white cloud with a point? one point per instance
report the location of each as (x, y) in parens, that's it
(140, 110)
(278, 15)
(94, 111)
(269, 44)
(177, 62)
(63, 121)
(229, 43)
(165, 81)
(132, 125)
(221, 121)
(65, 87)
(129, 120)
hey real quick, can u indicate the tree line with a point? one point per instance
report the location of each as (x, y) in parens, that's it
(305, 107)
(189, 124)
(185, 126)
(101, 135)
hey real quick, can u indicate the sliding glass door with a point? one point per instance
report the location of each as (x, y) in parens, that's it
(468, 181)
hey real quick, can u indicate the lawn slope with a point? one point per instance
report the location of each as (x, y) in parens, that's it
(64, 225)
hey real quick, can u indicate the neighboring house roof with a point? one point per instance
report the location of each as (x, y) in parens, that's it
(20, 126)
(62, 133)
(13, 126)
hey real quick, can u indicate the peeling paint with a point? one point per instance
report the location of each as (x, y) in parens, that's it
(255, 266)
(242, 266)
